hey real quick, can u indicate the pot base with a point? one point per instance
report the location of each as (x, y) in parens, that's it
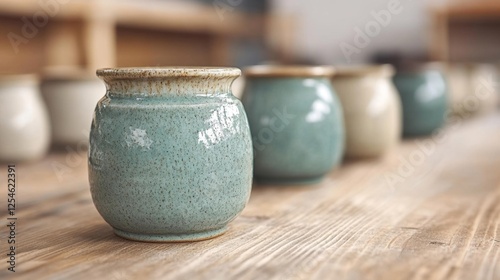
(189, 237)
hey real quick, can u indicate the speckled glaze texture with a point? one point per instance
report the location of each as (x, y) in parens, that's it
(297, 128)
(424, 100)
(170, 155)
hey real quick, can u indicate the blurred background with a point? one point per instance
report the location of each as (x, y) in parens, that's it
(63, 42)
(90, 33)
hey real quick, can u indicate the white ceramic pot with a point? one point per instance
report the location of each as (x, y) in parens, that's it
(71, 103)
(238, 86)
(484, 82)
(473, 88)
(24, 123)
(459, 86)
(372, 109)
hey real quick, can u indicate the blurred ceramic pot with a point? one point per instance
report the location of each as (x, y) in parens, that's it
(484, 82)
(472, 88)
(372, 109)
(424, 98)
(170, 156)
(24, 123)
(238, 87)
(459, 84)
(296, 123)
(71, 100)
(254, 6)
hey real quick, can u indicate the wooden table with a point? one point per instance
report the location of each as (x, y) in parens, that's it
(428, 210)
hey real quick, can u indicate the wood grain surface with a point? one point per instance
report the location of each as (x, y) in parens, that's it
(428, 210)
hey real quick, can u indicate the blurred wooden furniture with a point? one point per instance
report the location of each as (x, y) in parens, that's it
(428, 210)
(93, 33)
(466, 30)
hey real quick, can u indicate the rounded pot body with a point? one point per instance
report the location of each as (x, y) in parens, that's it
(170, 155)
(71, 104)
(24, 123)
(372, 110)
(424, 100)
(297, 127)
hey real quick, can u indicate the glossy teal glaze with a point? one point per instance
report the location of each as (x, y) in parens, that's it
(170, 154)
(424, 100)
(297, 128)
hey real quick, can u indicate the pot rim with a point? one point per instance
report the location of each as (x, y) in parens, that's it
(288, 71)
(411, 67)
(167, 72)
(471, 65)
(383, 70)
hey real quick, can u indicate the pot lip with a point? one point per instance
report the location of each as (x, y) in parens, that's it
(288, 71)
(411, 67)
(167, 72)
(383, 70)
(470, 65)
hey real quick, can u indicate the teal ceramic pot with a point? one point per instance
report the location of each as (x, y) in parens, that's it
(423, 94)
(296, 123)
(170, 156)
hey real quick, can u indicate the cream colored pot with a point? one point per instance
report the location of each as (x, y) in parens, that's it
(238, 86)
(372, 109)
(485, 87)
(473, 88)
(24, 124)
(71, 101)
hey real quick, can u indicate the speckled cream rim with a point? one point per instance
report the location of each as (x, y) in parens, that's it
(385, 70)
(165, 72)
(288, 71)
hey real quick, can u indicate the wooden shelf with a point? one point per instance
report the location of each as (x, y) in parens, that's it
(84, 33)
(177, 16)
(466, 31)
(440, 219)
(475, 9)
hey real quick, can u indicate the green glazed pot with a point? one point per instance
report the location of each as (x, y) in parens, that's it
(424, 99)
(170, 154)
(296, 123)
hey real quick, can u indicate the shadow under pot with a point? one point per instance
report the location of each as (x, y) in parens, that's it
(170, 155)
(372, 109)
(24, 122)
(296, 123)
(424, 94)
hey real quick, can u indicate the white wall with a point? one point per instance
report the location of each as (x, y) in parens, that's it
(323, 25)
